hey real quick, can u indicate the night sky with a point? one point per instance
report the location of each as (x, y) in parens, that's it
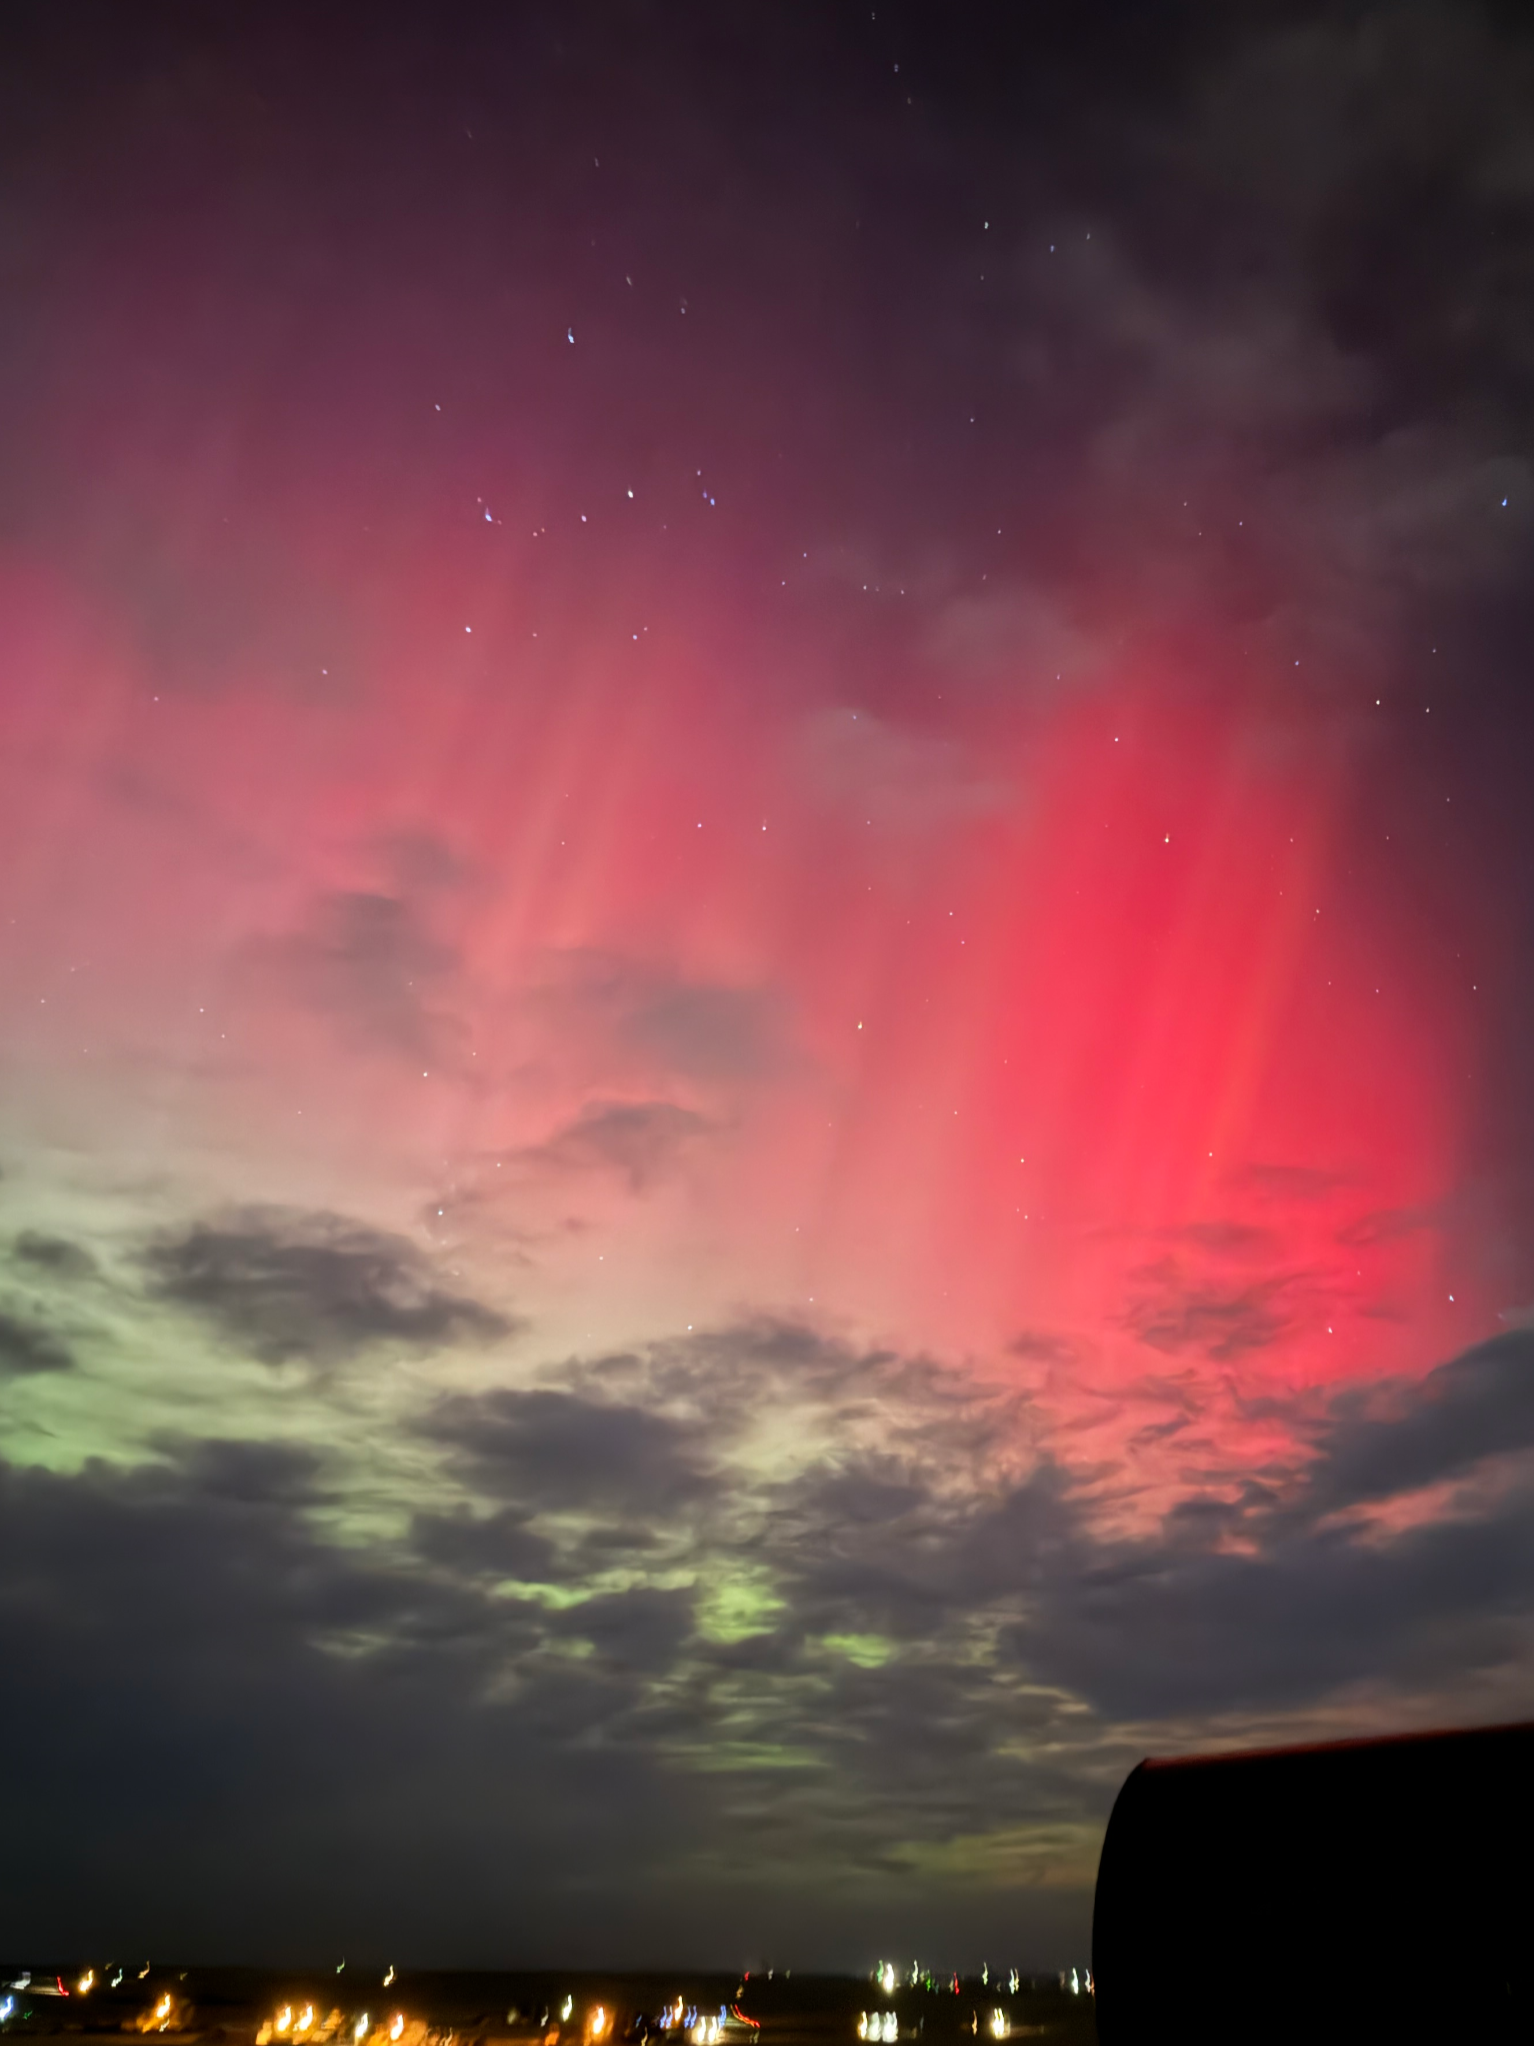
(766, 890)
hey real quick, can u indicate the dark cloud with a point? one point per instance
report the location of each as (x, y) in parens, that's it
(1147, 1634)
(641, 1629)
(285, 1285)
(1226, 1239)
(721, 1033)
(653, 1020)
(368, 962)
(723, 1375)
(1039, 1346)
(1387, 1225)
(277, 1474)
(1292, 1182)
(277, 1691)
(420, 860)
(1172, 1312)
(1265, 1600)
(1242, 1609)
(638, 1139)
(56, 1255)
(1254, 1601)
(871, 1493)
(882, 1547)
(556, 1451)
(26, 1347)
(1394, 1439)
(207, 614)
(200, 1666)
(1330, 335)
(942, 1652)
(498, 1545)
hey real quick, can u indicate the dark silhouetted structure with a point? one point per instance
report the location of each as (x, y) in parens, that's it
(1366, 1891)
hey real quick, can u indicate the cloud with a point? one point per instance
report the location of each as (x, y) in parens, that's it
(27, 1349)
(645, 1017)
(722, 1380)
(641, 1629)
(275, 1691)
(496, 1545)
(273, 1474)
(1170, 1312)
(871, 1549)
(1148, 1635)
(901, 779)
(1226, 1239)
(55, 1255)
(208, 612)
(1042, 1347)
(1247, 1599)
(554, 1450)
(420, 862)
(1395, 1439)
(1285, 1183)
(1264, 1601)
(366, 961)
(713, 1032)
(1271, 403)
(637, 1139)
(756, 1580)
(285, 1285)
(1013, 632)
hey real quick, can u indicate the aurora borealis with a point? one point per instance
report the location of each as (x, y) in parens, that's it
(764, 977)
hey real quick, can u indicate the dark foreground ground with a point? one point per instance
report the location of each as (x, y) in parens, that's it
(247, 2007)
